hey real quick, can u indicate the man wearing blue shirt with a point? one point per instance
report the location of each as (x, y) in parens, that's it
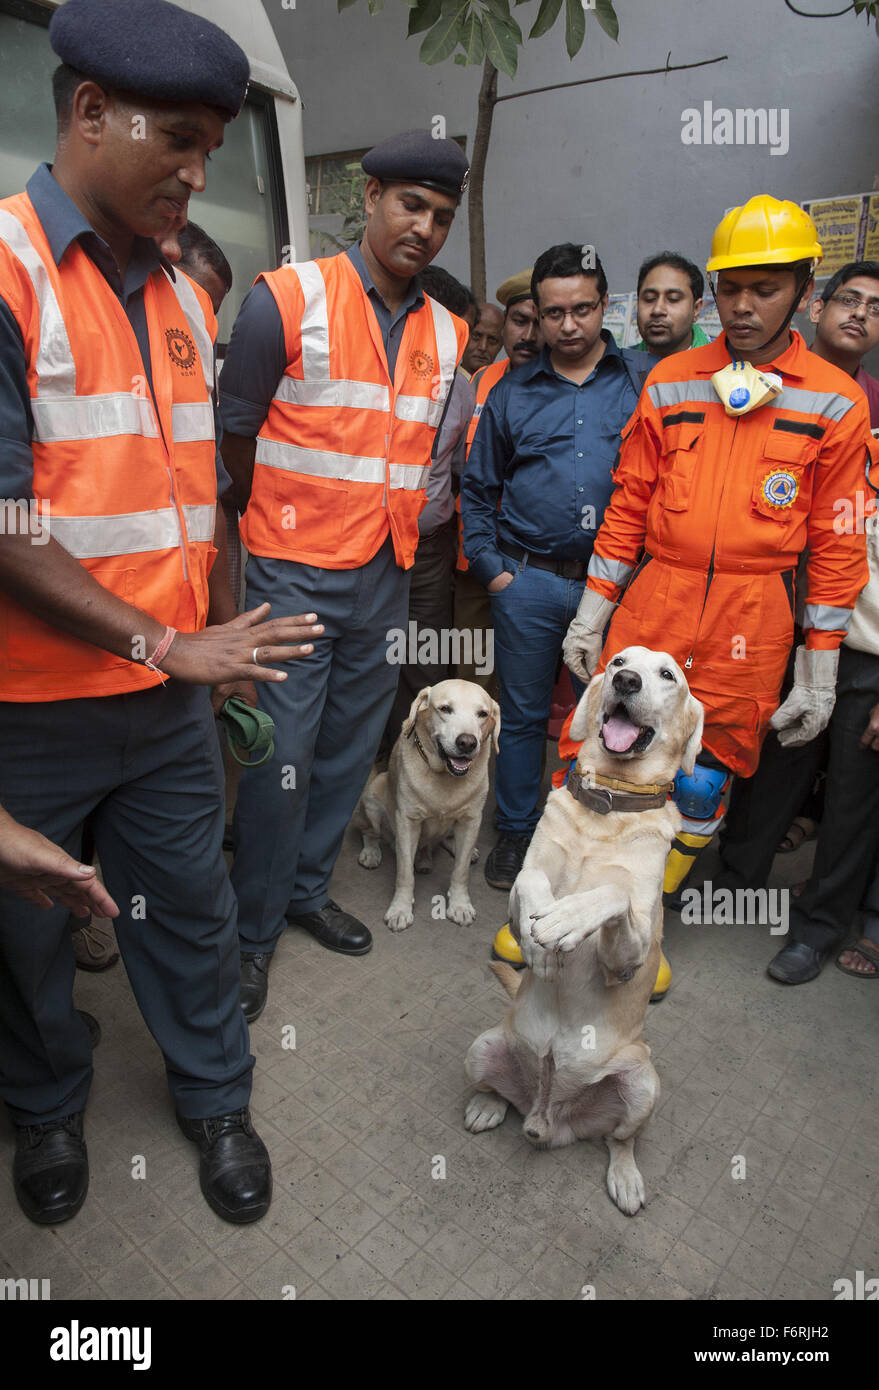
(545, 446)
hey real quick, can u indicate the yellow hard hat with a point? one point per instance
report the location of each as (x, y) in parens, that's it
(764, 232)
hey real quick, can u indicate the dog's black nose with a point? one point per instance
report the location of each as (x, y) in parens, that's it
(626, 682)
(465, 743)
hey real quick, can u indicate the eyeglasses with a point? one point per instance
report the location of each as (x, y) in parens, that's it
(854, 301)
(579, 312)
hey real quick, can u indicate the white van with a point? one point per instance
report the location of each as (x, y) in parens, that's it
(255, 203)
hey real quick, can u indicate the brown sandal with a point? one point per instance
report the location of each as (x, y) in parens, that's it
(869, 952)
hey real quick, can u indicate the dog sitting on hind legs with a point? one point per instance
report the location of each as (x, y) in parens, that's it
(587, 912)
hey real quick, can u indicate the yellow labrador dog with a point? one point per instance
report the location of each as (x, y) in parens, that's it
(436, 782)
(587, 911)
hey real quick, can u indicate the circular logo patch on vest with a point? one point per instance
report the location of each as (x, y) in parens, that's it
(780, 489)
(421, 363)
(181, 350)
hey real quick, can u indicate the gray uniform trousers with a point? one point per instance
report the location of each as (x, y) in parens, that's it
(148, 765)
(329, 714)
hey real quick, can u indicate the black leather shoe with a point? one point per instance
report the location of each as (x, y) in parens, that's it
(51, 1169)
(92, 1025)
(254, 983)
(796, 963)
(335, 929)
(235, 1172)
(505, 861)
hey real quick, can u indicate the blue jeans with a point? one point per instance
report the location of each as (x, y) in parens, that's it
(531, 617)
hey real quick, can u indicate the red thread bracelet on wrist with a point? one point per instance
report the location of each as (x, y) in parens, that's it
(152, 662)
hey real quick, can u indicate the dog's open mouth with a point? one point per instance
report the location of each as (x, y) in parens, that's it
(620, 734)
(455, 764)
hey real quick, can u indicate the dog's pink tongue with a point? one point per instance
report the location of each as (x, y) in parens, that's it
(620, 734)
(460, 764)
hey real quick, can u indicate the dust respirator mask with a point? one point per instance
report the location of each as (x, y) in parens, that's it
(743, 387)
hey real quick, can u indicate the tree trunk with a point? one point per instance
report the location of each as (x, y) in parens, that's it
(487, 99)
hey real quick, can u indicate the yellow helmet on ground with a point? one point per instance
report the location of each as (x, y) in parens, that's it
(764, 232)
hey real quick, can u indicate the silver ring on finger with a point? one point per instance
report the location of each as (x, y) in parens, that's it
(255, 657)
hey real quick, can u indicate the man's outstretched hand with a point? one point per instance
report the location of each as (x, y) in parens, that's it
(225, 653)
(38, 871)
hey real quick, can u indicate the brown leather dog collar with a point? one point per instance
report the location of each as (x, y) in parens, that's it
(609, 797)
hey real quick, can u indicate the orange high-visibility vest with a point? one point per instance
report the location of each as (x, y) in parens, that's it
(344, 452)
(133, 498)
(483, 381)
(704, 532)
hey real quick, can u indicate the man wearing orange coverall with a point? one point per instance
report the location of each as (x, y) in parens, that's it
(736, 459)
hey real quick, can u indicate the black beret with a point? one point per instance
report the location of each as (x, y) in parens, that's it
(152, 49)
(417, 157)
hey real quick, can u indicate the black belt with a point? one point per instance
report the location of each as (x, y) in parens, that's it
(568, 569)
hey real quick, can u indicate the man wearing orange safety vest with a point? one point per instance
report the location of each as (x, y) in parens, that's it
(522, 340)
(108, 573)
(737, 458)
(331, 393)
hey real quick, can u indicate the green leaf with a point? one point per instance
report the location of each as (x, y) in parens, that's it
(460, 60)
(501, 47)
(346, 4)
(546, 17)
(376, 5)
(501, 8)
(473, 40)
(575, 26)
(426, 15)
(606, 16)
(443, 38)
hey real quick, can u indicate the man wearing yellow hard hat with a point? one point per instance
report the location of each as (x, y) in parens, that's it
(733, 463)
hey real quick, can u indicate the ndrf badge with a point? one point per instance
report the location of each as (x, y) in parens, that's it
(780, 489)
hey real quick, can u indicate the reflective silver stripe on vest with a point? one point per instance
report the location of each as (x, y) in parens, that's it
(410, 479)
(354, 395)
(58, 418)
(664, 393)
(56, 373)
(447, 349)
(614, 571)
(315, 326)
(421, 409)
(825, 618)
(189, 303)
(192, 421)
(348, 468)
(828, 404)
(294, 459)
(201, 521)
(132, 533)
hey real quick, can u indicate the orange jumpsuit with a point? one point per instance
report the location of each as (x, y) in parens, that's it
(710, 515)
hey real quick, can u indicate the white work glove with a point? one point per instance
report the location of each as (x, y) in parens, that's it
(808, 707)
(584, 639)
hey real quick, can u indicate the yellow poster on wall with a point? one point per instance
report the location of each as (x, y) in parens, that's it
(838, 221)
(871, 234)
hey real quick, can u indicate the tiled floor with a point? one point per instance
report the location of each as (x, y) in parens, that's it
(381, 1193)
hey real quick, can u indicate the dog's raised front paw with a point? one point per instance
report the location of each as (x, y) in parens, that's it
(370, 856)
(485, 1110)
(399, 915)
(461, 909)
(562, 927)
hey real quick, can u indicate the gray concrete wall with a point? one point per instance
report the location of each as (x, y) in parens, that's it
(605, 163)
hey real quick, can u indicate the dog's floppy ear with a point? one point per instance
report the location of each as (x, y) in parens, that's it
(586, 713)
(695, 717)
(421, 701)
(496, 724)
